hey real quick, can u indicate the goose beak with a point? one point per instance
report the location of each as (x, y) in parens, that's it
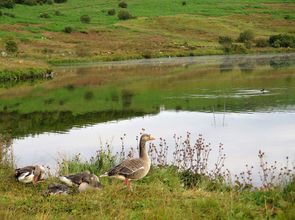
(152, 138)
(35, 179)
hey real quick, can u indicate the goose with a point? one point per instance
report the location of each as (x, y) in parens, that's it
(30, 174)
(90, 182)
(133, 169)
(57, 188)
(79, 178)
(74, 180)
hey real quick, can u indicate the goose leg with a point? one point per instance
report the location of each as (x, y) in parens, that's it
(130, 186)
(126, 181)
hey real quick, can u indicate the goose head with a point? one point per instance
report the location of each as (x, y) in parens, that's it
(147, 137)
(39, 173)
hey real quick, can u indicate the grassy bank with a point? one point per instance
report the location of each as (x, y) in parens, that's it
(185, 28)
(167, 192)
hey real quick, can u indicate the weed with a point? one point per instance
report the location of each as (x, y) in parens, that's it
(68, 29)
(88, 95)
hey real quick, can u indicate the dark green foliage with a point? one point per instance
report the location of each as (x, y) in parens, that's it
(9, 14)
(88, 95)
(248, 44)
(60, 1)
(282, 40)
(184, 3)
(111, 12)
(247, 35)
(31, 2)
(238, 48)
(23, 74)
(127, 96)
(122, 5)
(1, 13)
(226, 43)
(70, 87)
(287, 17)
(11, 46)
(7, 3)
(57, 13)
(225, 40)
(124, 15)
(68, 29)
(85, 19)
(44, 15)
(261, 42)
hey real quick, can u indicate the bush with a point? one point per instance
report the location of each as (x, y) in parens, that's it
(226, 43)
(30, 2)
(68, 29)
(282, 40)
(184, 3)
(238, 48)
(248, 44)
(122, 5)
(57, 13)
(11, 46)
(60, 1)
(49, 2)
(287, 17)
(1, 13)
(7, 3)
(261, 42)
(124, 15)
(247, 35)
(9, 14)
(44, 15)
(85, 19)
(111, 11)
(225, 40)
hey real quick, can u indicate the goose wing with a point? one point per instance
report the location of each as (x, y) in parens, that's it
(126, 168)
(25, 171)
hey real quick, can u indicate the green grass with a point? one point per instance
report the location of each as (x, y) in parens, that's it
(159, 29)
(162, 194)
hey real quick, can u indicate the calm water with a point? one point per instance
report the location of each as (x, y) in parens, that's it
(245, 102)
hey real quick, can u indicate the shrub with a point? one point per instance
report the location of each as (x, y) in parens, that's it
(247, 35)
(7, 3)
(68, 29)
(88, 95)
(49, 2)
(1, 13)
(184, 3)
(287, 17)
(111, 11)
(261, 42)
(248, 44)
(238, 48)
(124, 15)
(9, 14)
(226, 43)
(44, 15)
(60, 1)
(30, 2)
(57, 13)
(85, 19)
(282, 40)
(11, 46)
(122, 5)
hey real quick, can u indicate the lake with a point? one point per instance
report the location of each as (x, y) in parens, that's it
(245, 102)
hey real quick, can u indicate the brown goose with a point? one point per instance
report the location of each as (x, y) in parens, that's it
(133, 169)
(76, 179)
